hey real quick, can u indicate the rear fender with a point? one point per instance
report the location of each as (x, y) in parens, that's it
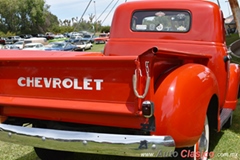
(233, 87)
(181, 101)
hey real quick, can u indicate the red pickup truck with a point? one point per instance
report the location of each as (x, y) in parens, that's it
(163, 82)
(102, 38)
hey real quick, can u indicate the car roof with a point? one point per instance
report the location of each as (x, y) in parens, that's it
(30, 44)
(19, 42)
(58, 42)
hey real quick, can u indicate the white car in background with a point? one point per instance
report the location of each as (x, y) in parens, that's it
(34, 46)
(59, 36)
(83, 45)
(19, 44)
(10, 46)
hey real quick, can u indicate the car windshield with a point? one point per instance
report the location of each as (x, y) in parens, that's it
(58, 45)
(30, 46)
(80, 42)
(103, 35)
(161, 21)
(19, 42)
(87, 36)
(75, 37)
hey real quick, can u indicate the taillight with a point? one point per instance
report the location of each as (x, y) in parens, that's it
(147, 109)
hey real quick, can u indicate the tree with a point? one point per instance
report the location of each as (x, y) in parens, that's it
(9, 16)
(25, 16)
(51, 22)
(33, 16)
(236, 12)
(105, 29)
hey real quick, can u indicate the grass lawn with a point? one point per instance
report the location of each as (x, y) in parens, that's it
(97, 48)
(57, 40)
(225, 145)
(231, 38)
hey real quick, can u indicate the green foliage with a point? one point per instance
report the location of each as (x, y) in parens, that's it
(51, 23)
(21, 16)
(6, 34)
(66, 29)
(231, 38)
(33, 16)
(105, 29)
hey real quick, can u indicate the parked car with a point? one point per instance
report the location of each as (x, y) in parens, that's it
(88, 37)
(74, 34)
(19, 44)
(59, 35)
(34, 46)
(60, 46)
(83, 45)
(49, 35)
(2, 41)
(10, 46)
(39, 35)
(74, 39)
(12, 39)
(26, 36)
(2, 46)
(36, 40)
(102, 38)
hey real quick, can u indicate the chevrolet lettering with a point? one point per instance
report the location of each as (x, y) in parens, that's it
(44, 82)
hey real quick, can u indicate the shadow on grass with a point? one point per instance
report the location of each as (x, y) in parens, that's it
(215, 137)
(236, 120)
(30, 156)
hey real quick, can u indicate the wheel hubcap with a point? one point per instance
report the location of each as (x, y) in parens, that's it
(203, 143)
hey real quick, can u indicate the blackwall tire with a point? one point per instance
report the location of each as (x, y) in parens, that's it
(47, 154)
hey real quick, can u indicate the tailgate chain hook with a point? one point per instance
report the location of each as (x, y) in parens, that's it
(147, 82)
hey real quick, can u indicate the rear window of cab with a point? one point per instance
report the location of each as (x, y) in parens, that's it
(161, 21)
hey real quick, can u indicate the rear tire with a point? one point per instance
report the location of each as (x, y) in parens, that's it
(202, 146)
(47, 154)
(200, 151)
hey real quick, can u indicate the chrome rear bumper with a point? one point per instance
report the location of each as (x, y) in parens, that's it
(86, 142)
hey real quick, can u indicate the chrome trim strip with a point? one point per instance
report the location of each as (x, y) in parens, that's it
(86, 142)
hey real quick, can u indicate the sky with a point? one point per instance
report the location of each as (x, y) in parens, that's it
(104, 9)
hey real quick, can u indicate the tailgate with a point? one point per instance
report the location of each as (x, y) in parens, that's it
(71, 77)
(33, 81)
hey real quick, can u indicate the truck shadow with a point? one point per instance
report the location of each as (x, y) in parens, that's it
(236, 119)
(214, 139)
(30, 156)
